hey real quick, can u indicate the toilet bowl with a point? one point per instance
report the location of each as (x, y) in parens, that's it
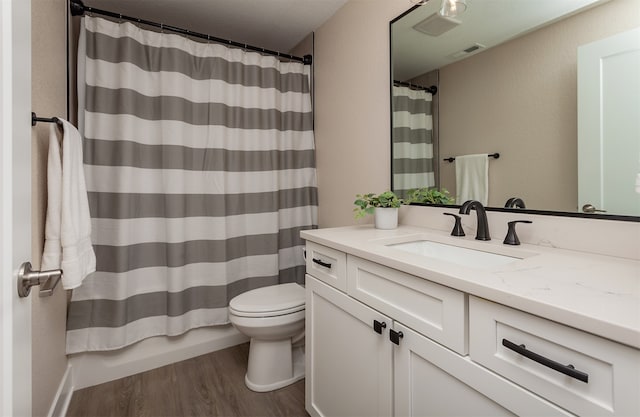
(273, 317)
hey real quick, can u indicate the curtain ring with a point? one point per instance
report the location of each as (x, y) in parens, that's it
(120, 18)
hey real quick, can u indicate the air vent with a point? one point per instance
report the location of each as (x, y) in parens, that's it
(476, 47)
(436, 25)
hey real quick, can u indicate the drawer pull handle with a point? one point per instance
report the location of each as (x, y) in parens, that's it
(395, 336)
(319, 262)
(379, 326)
(565, 369)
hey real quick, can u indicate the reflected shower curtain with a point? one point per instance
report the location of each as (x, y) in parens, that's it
(200, 167)
(412, 165)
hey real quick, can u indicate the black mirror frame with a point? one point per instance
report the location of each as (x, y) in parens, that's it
(617, 217)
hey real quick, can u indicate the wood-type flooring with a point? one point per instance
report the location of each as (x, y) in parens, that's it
(208, 385)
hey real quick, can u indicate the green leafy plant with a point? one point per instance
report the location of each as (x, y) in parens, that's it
(430, 196)
(366, 203)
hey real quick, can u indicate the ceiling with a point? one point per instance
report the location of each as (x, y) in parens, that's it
(485, 22)
(272, 24)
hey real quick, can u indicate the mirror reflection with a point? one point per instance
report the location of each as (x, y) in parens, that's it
(519, 79)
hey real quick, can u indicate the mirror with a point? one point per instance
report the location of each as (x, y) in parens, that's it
(506, 83)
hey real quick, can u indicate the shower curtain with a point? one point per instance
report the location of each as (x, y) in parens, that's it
(412, 165)
(200, 168)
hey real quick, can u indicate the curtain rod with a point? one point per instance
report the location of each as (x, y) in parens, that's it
(79, 9)
(433, 89)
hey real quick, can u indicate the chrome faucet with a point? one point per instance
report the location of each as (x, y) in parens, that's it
(515, 202)
(483, 227)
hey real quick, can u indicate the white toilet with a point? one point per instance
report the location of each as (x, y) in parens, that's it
(273, 317)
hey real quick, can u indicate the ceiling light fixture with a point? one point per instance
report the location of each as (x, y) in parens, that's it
(453, 8)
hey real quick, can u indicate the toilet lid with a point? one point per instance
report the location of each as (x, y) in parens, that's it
(276, 299)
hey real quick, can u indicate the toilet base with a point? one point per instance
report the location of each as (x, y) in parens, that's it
(273, 365)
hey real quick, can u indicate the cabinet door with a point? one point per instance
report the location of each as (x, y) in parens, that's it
(348, 364)
(431, 380)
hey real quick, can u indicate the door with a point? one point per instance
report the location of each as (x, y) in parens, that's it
(609, 124)
(348, 364)
(15, 205)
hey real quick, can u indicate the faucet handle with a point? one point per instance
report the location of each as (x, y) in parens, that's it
(512, 237)
(457, 228)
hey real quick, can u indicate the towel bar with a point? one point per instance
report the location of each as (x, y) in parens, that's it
(491, 155)
(35, 119)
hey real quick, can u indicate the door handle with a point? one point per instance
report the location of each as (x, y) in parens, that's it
(28, 278)
(590, 208)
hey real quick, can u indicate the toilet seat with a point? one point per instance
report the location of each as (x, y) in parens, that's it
(275, 300)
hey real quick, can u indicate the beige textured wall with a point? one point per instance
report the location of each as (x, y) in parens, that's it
(519, 98)
(352, 106)
(49, 92)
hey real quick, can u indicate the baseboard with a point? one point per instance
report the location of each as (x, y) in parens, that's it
(93, 368)
(63, 395)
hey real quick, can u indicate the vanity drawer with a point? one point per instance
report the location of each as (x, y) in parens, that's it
(611, 371)
(328, 265)
(436, 311)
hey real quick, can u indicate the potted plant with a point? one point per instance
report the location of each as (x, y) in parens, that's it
(383, 206)
(430, 196)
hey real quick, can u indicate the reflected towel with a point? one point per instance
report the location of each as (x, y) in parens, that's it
(68, 224)
(472, 178)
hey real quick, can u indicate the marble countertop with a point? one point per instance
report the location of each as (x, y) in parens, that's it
(595, 293)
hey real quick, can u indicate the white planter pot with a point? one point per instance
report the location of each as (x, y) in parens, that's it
(386, 218)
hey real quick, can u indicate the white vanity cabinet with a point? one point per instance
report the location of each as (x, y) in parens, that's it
(395, 344)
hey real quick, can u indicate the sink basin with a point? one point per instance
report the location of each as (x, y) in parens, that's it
(455, 254)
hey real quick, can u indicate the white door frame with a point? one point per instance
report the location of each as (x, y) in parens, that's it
(15, 205)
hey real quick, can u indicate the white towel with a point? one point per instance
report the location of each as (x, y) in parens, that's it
(472, 178)
(68, 228)
(52, 254)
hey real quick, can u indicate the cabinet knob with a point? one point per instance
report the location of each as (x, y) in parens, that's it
(379, 326)
(395, 336)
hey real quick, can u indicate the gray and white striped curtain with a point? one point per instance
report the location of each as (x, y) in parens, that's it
(412, 165)
(200, 168)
